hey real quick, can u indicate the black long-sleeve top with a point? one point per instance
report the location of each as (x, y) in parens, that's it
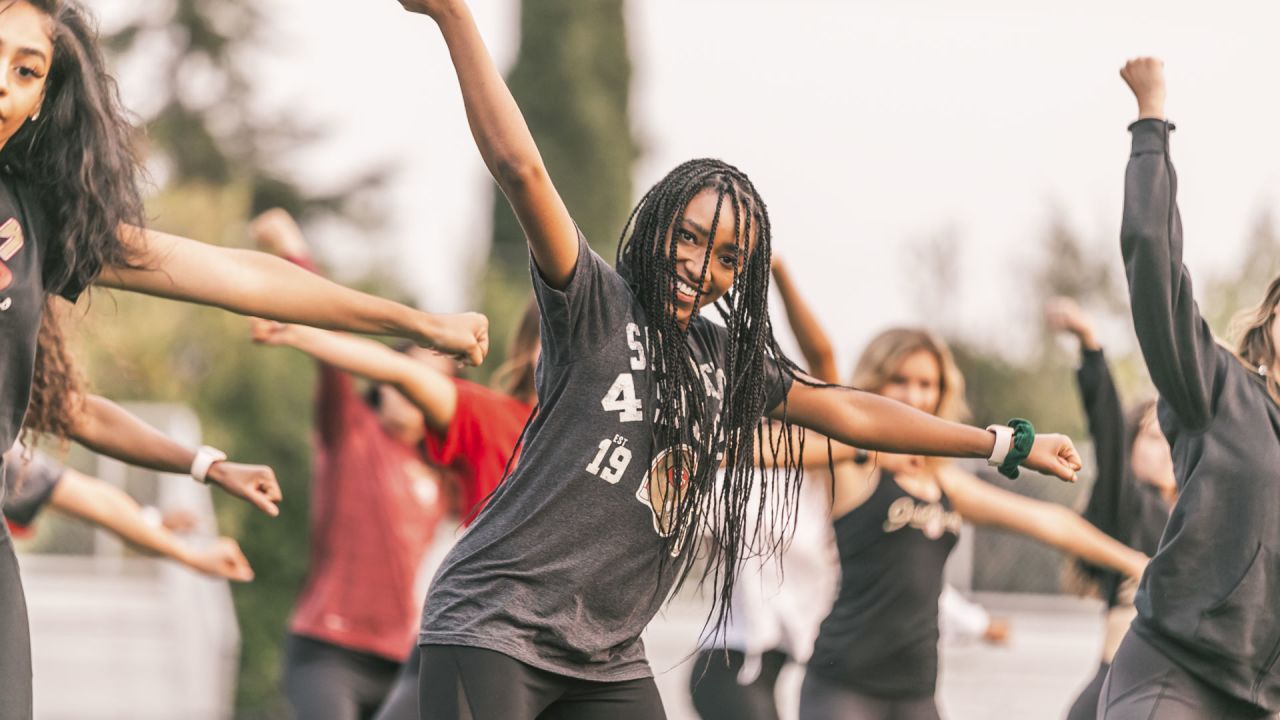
(1120, 505)
(1210, 599)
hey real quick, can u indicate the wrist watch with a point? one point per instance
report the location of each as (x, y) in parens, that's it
(206, 456)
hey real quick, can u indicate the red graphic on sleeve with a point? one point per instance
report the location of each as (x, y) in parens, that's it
(10, 243)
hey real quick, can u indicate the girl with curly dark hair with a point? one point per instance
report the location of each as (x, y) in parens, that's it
(71, 214)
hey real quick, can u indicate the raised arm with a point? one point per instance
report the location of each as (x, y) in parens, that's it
(1179, 347)
(434, 394)
(1110, 500)
(505, 142)
(255, 283)
(814, 343)
(108, 429)
(985, 504)
(872, 422)
(100, 503)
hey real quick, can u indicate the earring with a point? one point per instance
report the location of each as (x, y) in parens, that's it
(36, 116)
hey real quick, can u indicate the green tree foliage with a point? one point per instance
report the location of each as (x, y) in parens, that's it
(572, 79)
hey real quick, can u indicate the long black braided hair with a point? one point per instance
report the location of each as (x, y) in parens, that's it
(736, 513)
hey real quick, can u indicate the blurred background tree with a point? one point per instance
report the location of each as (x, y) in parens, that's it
(216, 164)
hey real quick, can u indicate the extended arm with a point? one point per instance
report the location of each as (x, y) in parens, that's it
(103, 504)
(505, 143)
(1179, 348)
(108, 429)
(1110, 500)
(869, 421)
(434, 394)
(255, 283)
(985, 504)
(814, 343)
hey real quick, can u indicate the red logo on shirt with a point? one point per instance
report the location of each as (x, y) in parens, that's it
(10, 243)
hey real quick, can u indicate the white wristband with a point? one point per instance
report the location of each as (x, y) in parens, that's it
(1004, 441)
(205, 458)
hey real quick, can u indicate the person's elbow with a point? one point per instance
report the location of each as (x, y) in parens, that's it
(519, 175)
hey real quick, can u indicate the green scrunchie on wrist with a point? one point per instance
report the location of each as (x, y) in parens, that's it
(1024, 436)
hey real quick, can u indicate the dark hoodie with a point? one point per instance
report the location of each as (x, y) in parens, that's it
(1209, 597)
(1120, 505)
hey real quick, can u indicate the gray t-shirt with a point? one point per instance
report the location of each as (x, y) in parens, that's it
(28, 485)
(563, 569)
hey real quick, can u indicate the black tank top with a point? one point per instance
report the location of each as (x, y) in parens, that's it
(881, 637)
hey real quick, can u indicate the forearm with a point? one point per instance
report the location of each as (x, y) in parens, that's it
(366, 358)
(109, 507)
(871, 422)
(1073, 534)
(499, 129)
(1105, 417)
(255, 283)
(433, 393)
(814, 343)
(108, 429)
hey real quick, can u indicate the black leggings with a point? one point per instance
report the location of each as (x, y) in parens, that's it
(1086, 705)
(717, 694)
(1144, 684)
(15, 636)
(328, 682)
(464, 683)
(824, 700)
(402, 702)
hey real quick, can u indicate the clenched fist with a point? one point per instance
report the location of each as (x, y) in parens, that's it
(1145, 77)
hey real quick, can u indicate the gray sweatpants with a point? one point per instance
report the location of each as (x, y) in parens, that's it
(15, 636)
(1144, 684)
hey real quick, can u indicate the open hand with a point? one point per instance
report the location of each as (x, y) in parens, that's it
(1054, 455)
(255, 484)
(1145, 77)
(222, 559)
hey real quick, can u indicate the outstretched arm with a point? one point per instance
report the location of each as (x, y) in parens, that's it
(869, 421)
(1181, 353)
(985, 504)
(505, 142)
(814, 343)
(255, 283)
(108, 429)
(1109, 507)
(434, 394)
(100, 503)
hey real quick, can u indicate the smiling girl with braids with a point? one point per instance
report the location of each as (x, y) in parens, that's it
(538, 610)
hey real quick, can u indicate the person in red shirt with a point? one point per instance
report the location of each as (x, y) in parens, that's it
(471, 430)
(375, 504)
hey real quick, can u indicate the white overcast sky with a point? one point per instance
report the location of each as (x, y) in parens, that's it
(866, 125)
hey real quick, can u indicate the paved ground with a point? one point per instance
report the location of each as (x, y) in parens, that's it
(1052, 653)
